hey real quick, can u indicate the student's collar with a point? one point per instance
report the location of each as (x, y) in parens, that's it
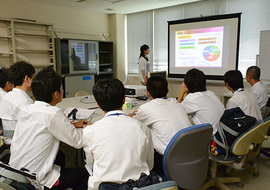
(115, 113)
(239, 90)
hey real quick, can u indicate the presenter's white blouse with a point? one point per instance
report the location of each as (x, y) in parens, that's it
(204, 107)
(145, 66)
(247, 102)
(2, 93)
(261, 93)
(35, 144)
(10, 106)
(117, 148)
(165, 117)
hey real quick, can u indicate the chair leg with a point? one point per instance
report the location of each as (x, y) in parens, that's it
(265, 152)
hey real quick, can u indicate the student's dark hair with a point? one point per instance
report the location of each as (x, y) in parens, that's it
(109, 94)
(142, 49)
(195, 81)
(234, 79)
(45, 83)
(254, 72)
(157, 86)
(4, 77)
(19, 70)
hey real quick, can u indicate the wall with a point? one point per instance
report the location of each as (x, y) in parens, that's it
(117, 29)
(68, 22)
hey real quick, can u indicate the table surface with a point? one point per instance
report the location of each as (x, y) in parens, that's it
(88, 102)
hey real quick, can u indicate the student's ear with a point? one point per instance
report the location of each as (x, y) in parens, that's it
(124, 100)
(98, 105)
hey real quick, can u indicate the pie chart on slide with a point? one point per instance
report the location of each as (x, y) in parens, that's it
(211, 53)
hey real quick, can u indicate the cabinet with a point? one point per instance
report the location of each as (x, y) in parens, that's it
(26, 41)
(78, 57)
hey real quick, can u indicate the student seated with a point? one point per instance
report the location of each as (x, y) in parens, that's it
(258, 89)
(164, 116)
(5, 84)
(117, 147)
(203, 105)
(20, 74)
(40, 128)
(245, 100)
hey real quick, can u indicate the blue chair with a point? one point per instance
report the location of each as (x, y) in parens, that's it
(185, 160)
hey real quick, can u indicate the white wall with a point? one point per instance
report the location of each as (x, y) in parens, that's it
(68, 22)
(117, 30)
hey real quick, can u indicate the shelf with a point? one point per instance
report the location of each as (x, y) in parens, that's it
(105, 72)
(6, 54)
(105, 64)
(33, 50)
(5, 37)
(30, 34)
(104, 52)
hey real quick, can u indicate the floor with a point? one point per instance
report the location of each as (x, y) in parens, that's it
(262, 182)
(251, 182)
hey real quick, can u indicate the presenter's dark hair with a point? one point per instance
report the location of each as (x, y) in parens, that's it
(4, 77)
(45, 83)
(19, 70)
(234, 79)
(109, 94)
(142, 49)
(157, 86)
(254, 72)
(195, 81)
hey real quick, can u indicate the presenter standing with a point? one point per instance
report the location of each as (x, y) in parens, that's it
(144, 64)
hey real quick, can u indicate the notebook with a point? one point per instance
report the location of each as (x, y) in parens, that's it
(80, 114)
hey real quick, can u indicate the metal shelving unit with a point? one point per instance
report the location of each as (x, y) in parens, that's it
(26, 41)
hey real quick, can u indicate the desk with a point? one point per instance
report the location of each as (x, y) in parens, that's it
(77, 159)
(91, 103)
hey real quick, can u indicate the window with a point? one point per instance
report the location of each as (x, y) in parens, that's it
(151, 28)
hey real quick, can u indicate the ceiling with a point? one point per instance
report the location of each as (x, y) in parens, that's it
(116, 6)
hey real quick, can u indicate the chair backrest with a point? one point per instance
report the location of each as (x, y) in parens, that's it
(185, 160)
(81, 93)
(242, 145)
(9, 174)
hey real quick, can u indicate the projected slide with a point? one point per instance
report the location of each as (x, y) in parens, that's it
(199, 47)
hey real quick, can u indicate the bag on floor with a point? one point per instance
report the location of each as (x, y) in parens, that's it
(232, 124)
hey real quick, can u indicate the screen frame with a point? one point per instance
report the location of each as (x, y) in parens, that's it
(201, 19)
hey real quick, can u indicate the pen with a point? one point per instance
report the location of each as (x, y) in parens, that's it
(90, 119)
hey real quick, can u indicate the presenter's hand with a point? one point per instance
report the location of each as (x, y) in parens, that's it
(80, 123)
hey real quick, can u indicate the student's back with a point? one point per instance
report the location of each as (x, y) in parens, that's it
(117, 147)
(165, 117)
(21, 74)
(120, 149)
(11, 105)
(247, 102)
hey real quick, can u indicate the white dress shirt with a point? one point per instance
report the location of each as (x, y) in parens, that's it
(10, 106)
(164, 117)
(35, 143)
(246, 101)
(204, 107)
(261, 93)
(118, 148)
(2, 93)
(145, 66)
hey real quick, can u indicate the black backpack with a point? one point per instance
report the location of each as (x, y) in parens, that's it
(232, 124)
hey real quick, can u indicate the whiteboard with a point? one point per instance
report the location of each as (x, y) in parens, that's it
(264, 55)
